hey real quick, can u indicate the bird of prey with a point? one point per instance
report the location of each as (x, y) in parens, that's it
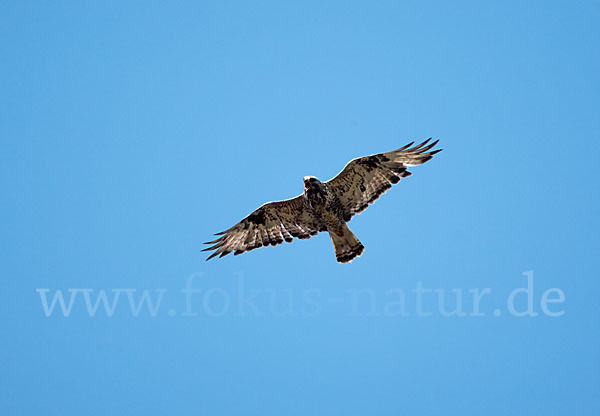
(324, 206)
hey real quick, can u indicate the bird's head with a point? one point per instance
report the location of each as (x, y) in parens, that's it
(311, 182)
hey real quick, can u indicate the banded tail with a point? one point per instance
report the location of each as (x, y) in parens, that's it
(346, 245)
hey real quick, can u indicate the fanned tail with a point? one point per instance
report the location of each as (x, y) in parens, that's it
(346, 245)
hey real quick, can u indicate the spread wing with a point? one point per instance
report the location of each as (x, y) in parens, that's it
(365, 179)
(271, 224)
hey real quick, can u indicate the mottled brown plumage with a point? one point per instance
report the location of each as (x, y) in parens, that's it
(324, 206)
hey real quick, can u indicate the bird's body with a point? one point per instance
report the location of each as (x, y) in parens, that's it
(324, 206)
(324, 203)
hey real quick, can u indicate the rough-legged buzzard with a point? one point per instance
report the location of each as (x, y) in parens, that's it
(324, 206)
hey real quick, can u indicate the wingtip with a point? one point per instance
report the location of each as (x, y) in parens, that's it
(211, 256)
(407, 146)
(422, 150)
(422, 144)
(217, 240)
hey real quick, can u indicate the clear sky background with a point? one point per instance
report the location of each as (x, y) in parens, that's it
(132, 131)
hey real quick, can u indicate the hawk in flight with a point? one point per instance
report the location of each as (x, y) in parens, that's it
(324, 206)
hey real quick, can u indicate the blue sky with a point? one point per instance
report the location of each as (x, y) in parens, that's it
(131, 132)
